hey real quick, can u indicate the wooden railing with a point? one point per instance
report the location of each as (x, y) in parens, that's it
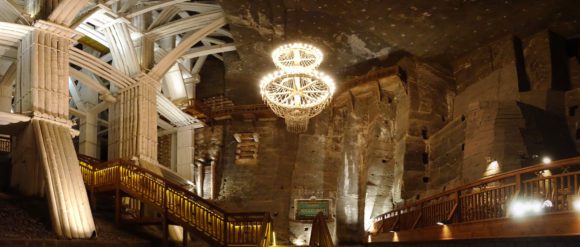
(5, 145)
(554, 186)
(179, 205)
(320, 235)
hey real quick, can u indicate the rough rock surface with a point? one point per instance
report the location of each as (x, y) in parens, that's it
(356, 32)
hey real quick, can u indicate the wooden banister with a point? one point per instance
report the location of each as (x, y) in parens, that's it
(320, 235)
(177, 204)
(489, 198)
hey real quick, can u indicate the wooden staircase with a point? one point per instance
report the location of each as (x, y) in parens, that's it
(175, 204)
(320, 236)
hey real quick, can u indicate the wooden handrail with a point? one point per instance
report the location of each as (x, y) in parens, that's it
(181, 206)
(320, 235)
(489, 198)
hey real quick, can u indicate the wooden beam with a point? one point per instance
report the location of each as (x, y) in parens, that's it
(87, 81)
(75, 95)
(66, 11)
(208, 50)
(104, 105)
(159, 5)
(9, 76)
(198, 7)
(100, 68)
(186, 24)
(166, 62)
(80, 114)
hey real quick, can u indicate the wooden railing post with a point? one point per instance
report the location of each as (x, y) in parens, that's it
(184, 242)
(457, 209)
(118, 196)
(164, 213)
(225, 229)
(518, 184)
(92, 189)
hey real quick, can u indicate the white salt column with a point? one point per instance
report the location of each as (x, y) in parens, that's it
(184, 152)
(88, 136)
(133, 122)
(42, 91)
(5, 98)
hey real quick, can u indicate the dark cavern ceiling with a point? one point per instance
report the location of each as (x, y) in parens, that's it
(354, 32)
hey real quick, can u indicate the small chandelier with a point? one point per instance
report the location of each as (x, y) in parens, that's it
(297, 91)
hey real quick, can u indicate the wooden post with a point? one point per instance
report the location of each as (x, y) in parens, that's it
(93, 199)
(118, 196)
(184, 237)
(164, 225)
(165, 229)
(518, 185)
(117, 206)
(225, 230)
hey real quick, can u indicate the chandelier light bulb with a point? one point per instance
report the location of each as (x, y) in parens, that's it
(297, 57)
(297, 91)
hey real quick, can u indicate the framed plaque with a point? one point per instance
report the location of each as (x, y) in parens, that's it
(307, 209)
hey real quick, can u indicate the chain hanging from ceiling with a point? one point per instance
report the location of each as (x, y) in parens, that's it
(297, 91)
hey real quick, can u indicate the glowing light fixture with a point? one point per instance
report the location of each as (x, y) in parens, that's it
(297, 91)
(522, 208)
(297, 57)
(443, 222)
(492, 169)
(546, 160)
(576, 204)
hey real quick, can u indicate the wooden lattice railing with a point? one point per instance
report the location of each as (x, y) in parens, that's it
(320, 235)
(554, 185)
(5, 145)
(179, 205)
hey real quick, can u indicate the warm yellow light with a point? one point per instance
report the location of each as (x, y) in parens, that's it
(446, 232)
(520, 208)
(576, 204)
(492, 169)
(297, 91)
(395, 237)
(274, 238)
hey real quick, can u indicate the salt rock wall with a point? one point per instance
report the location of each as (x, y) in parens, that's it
(364, 154)
(510, 107)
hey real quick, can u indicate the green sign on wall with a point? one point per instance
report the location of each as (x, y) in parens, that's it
(308, 209)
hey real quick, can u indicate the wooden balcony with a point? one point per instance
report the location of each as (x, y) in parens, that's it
(536, 201)
(210, 112)
(5, 144)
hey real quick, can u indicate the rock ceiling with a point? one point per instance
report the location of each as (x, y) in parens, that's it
(351, 32)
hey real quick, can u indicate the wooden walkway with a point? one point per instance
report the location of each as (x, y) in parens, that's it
(540, 200)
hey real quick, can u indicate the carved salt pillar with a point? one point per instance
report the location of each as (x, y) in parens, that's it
(5, 98)
(133, 122)
(42, 92)
(88, 136)
(184, 151)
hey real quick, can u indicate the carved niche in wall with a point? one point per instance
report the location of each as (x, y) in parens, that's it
(247, 148)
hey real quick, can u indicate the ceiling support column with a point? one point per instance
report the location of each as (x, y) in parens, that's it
(5, 98)
(42, 91)
(184, 151)
(133, 124)
(88, 135)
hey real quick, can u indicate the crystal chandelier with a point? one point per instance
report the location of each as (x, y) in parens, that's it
(297, 91)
